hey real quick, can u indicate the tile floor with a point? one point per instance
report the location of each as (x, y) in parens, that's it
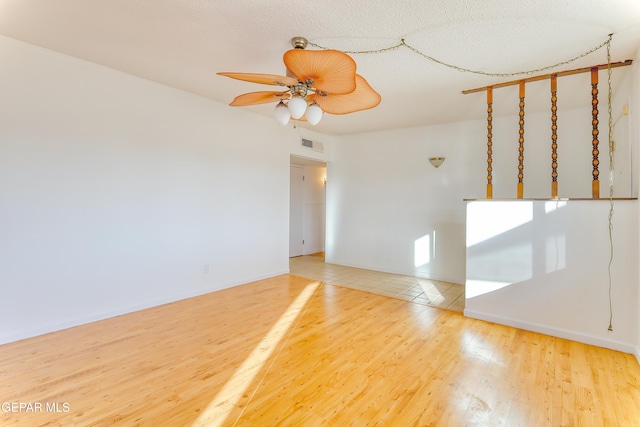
(433, 293)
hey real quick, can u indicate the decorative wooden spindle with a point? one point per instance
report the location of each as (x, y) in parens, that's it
(595, 187)
(489, 143)
(554, 137)
(521, 144)
(595, 184)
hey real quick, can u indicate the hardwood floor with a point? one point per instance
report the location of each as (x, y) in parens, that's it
(293, 352)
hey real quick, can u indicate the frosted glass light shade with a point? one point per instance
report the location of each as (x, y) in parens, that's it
(281, 113)
(314, 114)
(297, 107)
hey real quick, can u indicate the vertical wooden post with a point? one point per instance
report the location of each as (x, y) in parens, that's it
(595, 184)
(521, 144)
(554, 137)
(489, 142)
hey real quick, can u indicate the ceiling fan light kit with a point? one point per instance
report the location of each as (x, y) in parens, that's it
(314, 113)
(317, 82)
(297, 106)
(281, 113)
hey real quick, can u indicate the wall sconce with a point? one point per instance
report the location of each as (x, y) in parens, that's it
(436, 161)
(325, 180)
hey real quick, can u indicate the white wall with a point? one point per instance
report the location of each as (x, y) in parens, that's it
(118, 193)
(543, 266)
(384, 199)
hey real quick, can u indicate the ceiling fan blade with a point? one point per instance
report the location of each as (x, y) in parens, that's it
(363, 98)
(330, 71)
(262, 97)
(265, 79)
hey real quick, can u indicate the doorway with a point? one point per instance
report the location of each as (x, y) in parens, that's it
(307, 206)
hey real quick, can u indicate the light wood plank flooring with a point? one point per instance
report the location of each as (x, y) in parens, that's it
(289, 351)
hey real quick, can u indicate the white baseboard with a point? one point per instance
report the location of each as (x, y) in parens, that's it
(311, 251)
(637, 354)
(94, 317)
(624, 347)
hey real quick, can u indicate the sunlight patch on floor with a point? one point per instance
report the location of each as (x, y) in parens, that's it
(227, 399)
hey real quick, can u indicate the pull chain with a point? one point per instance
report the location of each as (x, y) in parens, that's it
(611, 169)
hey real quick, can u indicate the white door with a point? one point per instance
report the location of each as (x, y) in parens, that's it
(296, 211)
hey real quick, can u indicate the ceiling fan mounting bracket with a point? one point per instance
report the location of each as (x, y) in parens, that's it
(299, 42)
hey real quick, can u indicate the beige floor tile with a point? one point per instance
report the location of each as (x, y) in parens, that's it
(451, 294)
(412, 292)
(457, 306)
(417, 290)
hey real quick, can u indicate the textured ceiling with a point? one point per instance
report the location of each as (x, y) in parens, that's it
(183, 43)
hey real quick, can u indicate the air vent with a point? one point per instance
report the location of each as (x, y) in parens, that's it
(315, 146)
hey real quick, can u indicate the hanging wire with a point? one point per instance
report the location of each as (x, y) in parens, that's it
(468, 70)
(356, 52)
(611, 169)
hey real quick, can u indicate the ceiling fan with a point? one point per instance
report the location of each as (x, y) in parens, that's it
(317, 81)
